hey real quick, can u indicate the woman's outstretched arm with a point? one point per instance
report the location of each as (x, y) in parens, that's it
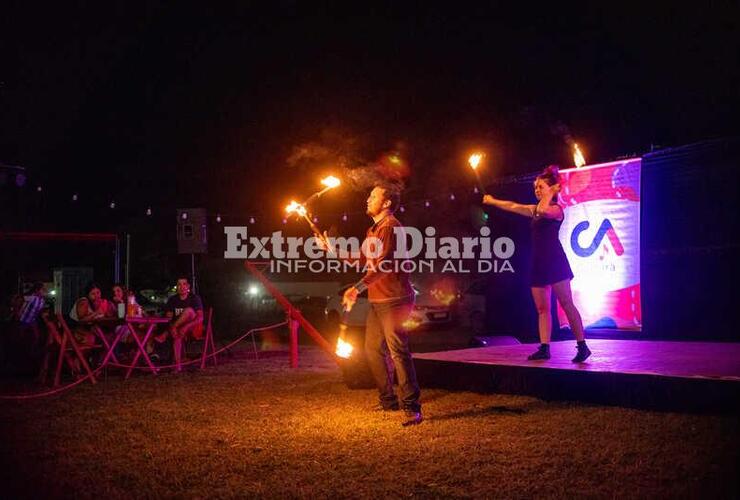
(509, 206)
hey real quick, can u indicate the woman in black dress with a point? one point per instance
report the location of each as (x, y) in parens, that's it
(550, 270)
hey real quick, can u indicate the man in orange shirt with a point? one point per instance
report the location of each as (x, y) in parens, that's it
(391, 302)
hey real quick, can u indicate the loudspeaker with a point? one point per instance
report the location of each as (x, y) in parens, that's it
(192, 230)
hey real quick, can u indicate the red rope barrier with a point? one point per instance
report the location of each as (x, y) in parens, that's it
(193, 361)
(57, 390)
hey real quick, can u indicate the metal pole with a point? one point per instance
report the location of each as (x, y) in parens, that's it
(117, 261)
(128, 258)
(192, 272)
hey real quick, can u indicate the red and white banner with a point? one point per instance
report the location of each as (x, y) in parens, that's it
(601, 237)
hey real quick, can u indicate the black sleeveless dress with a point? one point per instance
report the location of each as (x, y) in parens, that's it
(549, 262)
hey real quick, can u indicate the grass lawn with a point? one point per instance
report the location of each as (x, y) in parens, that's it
(257, 428)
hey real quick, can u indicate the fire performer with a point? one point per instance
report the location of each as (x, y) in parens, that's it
(550, 268)
(391, 302)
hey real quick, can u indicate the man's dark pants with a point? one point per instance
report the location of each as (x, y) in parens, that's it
(386, 347)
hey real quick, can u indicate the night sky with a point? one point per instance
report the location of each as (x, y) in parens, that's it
(169, 106)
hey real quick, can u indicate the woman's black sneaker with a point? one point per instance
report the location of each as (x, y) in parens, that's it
(583, 353)
(543, 352)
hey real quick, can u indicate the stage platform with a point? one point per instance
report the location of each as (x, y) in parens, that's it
(693, 376)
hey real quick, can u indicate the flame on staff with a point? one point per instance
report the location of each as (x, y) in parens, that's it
(344, 349)
(578, 158)
(300, 211)
(297, 208)
(474, 162)
(330, 182)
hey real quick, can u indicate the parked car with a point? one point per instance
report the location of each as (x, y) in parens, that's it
(428, 311)
(471, 307)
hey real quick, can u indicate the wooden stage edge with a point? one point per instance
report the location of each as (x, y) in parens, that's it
(662, 375)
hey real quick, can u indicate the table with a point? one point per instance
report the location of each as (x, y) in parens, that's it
(130, 323)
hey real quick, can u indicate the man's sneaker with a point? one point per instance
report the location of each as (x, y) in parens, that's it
(583, 353)
(412, 418)
(543, 352)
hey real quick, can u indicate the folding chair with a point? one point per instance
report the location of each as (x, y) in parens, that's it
(209, 345)
(67, 350)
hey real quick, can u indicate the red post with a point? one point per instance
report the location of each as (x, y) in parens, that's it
(293, 324)
(294, 313)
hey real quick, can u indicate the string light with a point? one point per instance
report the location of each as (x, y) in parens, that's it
(75, 197)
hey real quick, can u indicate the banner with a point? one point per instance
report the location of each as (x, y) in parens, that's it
(601, 237)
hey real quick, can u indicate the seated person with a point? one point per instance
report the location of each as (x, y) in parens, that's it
(186, 311)
(86, 309)
(31, 308)
(23, 337)
(118, 298)
(117, 309)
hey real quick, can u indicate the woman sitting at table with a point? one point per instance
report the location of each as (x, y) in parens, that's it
(117, 309)
(87, 309)
(117, 301)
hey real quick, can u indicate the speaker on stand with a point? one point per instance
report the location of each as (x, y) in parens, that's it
(192, 236)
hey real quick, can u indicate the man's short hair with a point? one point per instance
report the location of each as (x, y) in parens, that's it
(391, 192)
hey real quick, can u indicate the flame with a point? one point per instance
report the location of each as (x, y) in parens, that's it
(578, 158)
(474, 160)
(344, 349)
(296, 207)
(330, 182)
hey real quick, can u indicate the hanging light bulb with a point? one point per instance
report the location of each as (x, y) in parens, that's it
(39, 188)
(402, 209)
(315, 219)
(344, 217)
(74, 197)
(285, 221)
(452, 196)
(149, 210)
(113, 204)
(251, 220)
(218, 217)
(426, 203)
(184, 216)
(475, 190)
